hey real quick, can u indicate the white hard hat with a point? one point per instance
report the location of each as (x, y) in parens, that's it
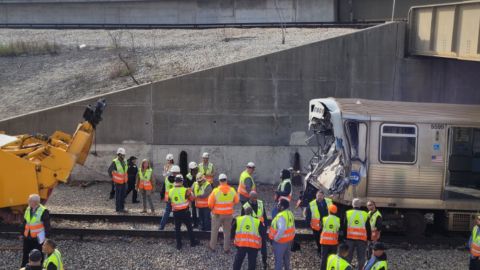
(251, 165)
(192, 165)
(169, 157)
(222, 176)
(175, 169)
(205, 155)
(121, 151)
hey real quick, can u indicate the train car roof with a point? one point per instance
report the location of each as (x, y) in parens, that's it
(411, 112)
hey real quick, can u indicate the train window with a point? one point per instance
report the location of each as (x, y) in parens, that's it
(398, 143)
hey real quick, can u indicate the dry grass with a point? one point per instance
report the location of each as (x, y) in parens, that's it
(20, 47)
(119, 69)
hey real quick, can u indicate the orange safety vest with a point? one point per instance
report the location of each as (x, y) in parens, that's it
(331, 225)
(289, 233)
(119, 175)
(247, 233)
(356, 221)
(200, 190)
(33, 224)
(223, 201)
(475, 245)
(145, 179)
(178, 198)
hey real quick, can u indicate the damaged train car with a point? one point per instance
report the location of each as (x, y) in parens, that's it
(420, 162)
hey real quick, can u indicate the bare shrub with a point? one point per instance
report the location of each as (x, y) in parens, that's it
(20, 47)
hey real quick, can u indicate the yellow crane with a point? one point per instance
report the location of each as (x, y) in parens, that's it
(36, 164)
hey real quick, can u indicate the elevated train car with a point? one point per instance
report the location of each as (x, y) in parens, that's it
(420, 162)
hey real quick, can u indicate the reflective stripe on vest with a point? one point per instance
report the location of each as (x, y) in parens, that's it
(259, 213)
(206, 171)
(242, 189)
(145, 179)
(475, 245)
(55, 258)
(331, 225)
(289, 233)
(378, 265)
(120, 176)
(34, 224)
(335, 262)
(247, 233)
(356, 220)
(168, 186)
(315, 220)
(281, 188)
(223, 202)
(178, 198)
(373, 221)
(199, 190)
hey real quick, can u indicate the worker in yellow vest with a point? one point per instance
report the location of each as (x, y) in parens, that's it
(207, 168)
(356, 227)
(53, 260)
(221, 201)
(118, 171)
(190, 180)
(248, 230)
(338, 261)
(146, 184)
(314, 213)
(474, 246)
(378, 260)
(246, 183)
(36, 226)
(284, 190)
(375, 220)
(180, 198)
(282, 233)
(329, 235)
(258, 208)
(202, 190)
(167, 185)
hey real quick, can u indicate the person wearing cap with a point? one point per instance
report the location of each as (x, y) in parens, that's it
(34, 260)
(190, 179)
(180, 198)
(132, 179)
(247, 231)
(201, 191)
(474, 246)
(168, 165)
(246, 183)
(356, 227)
(36, 226)
(284, 189)
(315, 212)
(121, 157)
(53, 259)
(378, 260)
(207, 168)
(339, 261)
(375, 221)
(258, 211)
(222, 201)
(118, 171)
(167, 185)
(282, 233)
(145, 183)
(329, 235)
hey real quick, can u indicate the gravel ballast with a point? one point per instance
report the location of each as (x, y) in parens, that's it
(84, 62)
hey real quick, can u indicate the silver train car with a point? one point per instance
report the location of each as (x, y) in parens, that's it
(420, 162)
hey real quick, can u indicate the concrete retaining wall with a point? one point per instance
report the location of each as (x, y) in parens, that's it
(260, 104)
(166, 11)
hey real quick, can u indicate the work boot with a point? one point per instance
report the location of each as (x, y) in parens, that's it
(179, 246)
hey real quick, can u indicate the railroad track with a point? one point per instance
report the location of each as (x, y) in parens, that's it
(193, 26)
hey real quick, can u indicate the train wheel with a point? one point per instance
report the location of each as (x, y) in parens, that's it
(415, 224)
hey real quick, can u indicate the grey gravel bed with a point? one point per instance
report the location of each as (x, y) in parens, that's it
(147, 253)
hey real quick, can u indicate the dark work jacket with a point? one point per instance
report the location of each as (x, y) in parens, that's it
(46, 223)
(132, 173)
(255, 209)
(322, 208)
(28, 267)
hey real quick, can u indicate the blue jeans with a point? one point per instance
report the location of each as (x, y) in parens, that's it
(166, 215)
(205, 218)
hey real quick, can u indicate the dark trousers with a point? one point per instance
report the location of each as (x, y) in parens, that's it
(180, 217)
(241, 253)
(327, 250)
(194, 214)
(263, 250)
(120, 197)
(205, 218)
(30, 244)
(131, 188)
(112, 192)
(316, 237)
(474, 264)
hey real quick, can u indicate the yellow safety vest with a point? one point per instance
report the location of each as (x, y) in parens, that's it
(145, 179)
(120, 176)
(315, 221)
(259, 213)
(55, 258)
(475, 245)
(205, 170)
(178, 199)
(242, 189)
(379, 265)
(223, 202)
(34, 224)
(331, 225)
(199, 190)
(356, 221)
(247, 233)
(289, 233)
(168, 186)
(336, 262)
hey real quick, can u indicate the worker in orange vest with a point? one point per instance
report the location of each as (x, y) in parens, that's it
(202, 190)
(247, 230)
(222, 200)
(118, 171)
(329, 235)
(282, 233)
(356, 224)
(474, 246)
